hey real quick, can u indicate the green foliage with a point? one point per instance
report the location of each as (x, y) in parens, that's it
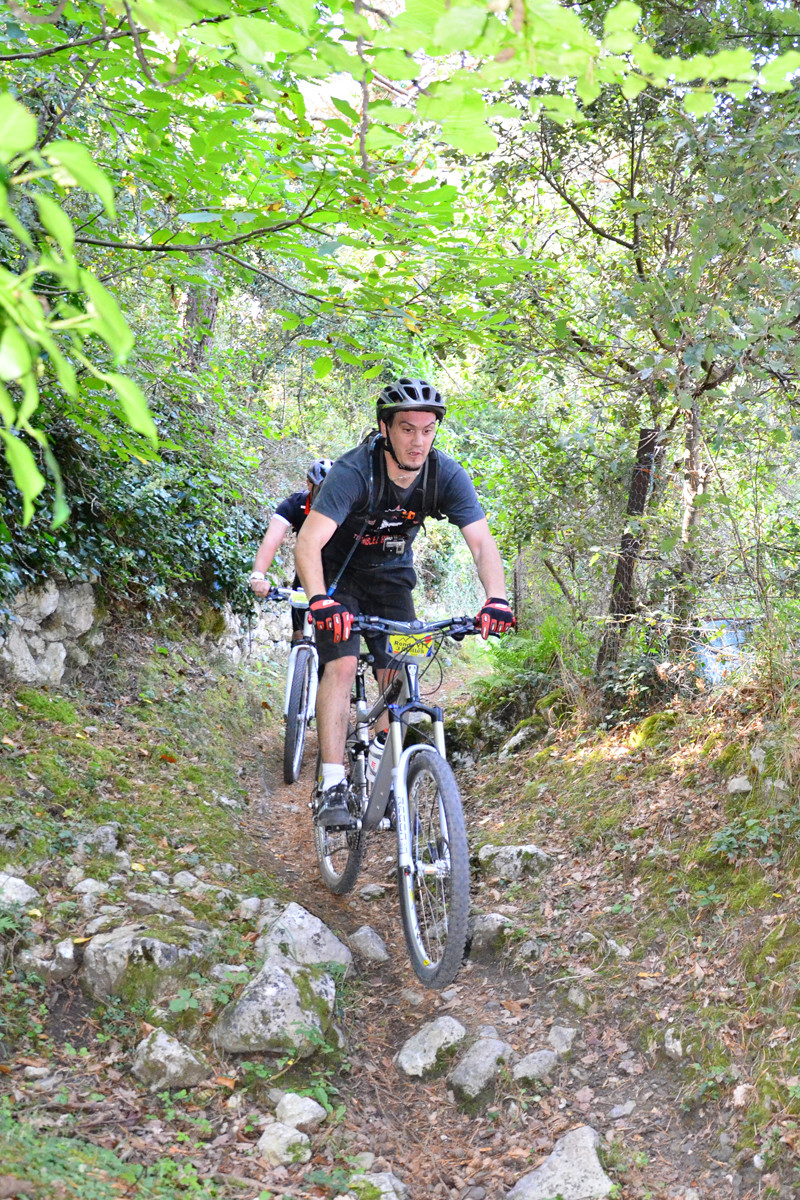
(53, 1164)
(525, 668)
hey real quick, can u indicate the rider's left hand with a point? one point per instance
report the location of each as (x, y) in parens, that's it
(495, 617)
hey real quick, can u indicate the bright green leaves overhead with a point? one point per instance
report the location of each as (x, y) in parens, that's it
(17, 128)
(40, 343)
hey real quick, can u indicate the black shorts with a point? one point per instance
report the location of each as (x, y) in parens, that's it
(376, 594)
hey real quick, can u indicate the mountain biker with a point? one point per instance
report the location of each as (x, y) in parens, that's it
(354, 555)
(290, 514)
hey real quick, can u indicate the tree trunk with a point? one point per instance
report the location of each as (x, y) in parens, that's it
(199, 320)
(621, 608)
(696, 477)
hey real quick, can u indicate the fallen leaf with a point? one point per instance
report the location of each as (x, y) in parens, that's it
(168, 758)
(137, 866)
(227, 1081)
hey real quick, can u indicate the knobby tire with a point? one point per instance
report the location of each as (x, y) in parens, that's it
(434, 901)
(297, 716)
(339, 854)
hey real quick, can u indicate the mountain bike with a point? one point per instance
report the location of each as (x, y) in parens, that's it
(300, 694)
(414, 794)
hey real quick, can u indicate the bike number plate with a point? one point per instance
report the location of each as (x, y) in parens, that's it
(408, 644)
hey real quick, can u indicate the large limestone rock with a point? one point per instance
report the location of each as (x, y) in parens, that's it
(103, 840)
(572, 1171)
(147, 958)
(425, 1050)
(303, 937)
(513, 862)
(475, 1073)
(161, 1061)
(285, 1007)
(76, 608)
(35, 604)
(14, 890)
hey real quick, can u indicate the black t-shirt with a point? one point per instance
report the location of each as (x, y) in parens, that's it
(293, 510)
(394, 515)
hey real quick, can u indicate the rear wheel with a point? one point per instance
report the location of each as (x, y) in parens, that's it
(340, 852)
(434, 898)
(297, 715)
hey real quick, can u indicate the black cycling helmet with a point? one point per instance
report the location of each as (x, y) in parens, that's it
(318, 470)
(410, 395)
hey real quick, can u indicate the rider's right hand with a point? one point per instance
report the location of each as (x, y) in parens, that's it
(331, 619)
(259, 585)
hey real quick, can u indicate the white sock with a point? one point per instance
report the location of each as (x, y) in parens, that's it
(332, 773)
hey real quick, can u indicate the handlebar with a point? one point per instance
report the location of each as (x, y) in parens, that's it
(454, 626)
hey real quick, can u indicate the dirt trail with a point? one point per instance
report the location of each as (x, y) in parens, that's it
(655, 1152)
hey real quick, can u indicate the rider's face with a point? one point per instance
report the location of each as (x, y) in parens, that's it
(412, 435)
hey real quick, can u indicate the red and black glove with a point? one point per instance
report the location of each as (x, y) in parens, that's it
(495, 617)
(331, 619)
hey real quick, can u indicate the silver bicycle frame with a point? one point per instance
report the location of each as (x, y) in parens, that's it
(394, 765)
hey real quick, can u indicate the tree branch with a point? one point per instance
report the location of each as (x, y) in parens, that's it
(182, 248)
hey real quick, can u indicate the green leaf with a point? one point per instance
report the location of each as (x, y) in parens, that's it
(460, 27)
(8, 215)
(373, 372)
(323, 367)
(110, 322)
(257, 40)
(17, 128)
(774, 77)
(300, 12)
(55, 221)
(134, 405)
(15, 354)
(27, 475)
(698, 103)
(624, 15)
(75, 168)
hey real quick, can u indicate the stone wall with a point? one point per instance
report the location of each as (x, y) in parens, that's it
(266, 636)
(47, 631)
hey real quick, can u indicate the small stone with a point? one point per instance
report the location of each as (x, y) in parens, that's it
(301, 1112)
(74, 875)
(91, 887)
(281, 1145)
(572, 1171)
(758, 757)
(476, 1071)
(184, 880)
(561, 1038)
(160, 877)
(122, 861)
(577, 997)
(489, 932)
(618, 948)
(369, 944)
(372, 891)
(230, 972)
(739, 785)
(421, 1054)
(673, 1047)
(249, 909)
(387, 1185)
(537, 1065)
(411, 997)
(364, 1161)
(622, 1110)
(14, 890)
(161, 1061)
(227, 870)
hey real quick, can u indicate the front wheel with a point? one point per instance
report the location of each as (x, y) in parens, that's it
(434, 897)
(297, 715)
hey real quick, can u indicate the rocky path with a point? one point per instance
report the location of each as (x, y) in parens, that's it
(561, 1070)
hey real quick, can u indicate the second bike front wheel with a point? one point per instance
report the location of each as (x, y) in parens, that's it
(297, 715)
(340, 854)
(434, 898)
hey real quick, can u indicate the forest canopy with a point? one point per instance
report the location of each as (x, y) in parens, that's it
(224, 224)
